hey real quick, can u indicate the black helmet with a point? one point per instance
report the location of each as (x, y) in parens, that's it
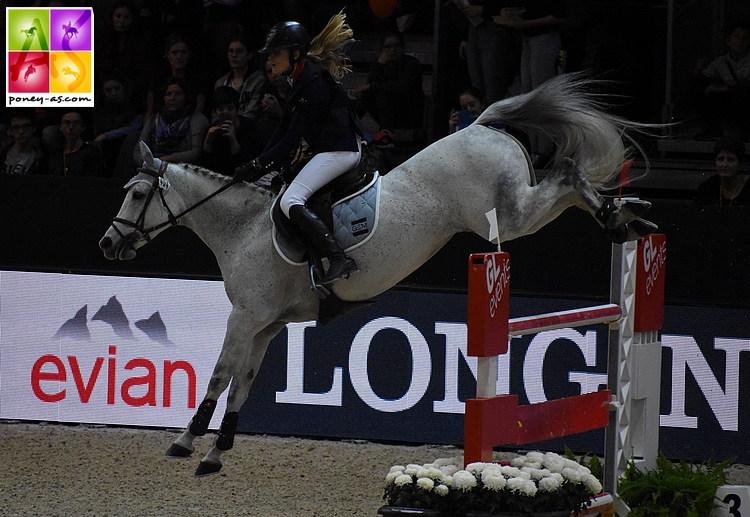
(287, 35)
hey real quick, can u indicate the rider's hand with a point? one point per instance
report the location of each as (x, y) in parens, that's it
(246, 171)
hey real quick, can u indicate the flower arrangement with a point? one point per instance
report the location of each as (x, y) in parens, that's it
(536, 482)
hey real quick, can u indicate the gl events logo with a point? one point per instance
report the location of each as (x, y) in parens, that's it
(49, 56)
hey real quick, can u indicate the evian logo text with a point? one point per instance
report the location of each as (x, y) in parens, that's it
(51, 378)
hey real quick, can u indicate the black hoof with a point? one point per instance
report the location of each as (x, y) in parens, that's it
(178, 451)
(206, 469)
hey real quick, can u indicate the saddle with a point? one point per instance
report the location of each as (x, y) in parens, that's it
(340, 204)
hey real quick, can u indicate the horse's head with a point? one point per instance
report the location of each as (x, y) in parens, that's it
(139, 220)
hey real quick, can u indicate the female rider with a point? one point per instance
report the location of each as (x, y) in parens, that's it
(316, 109)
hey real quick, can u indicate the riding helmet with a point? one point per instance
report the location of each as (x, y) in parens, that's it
(287, 35)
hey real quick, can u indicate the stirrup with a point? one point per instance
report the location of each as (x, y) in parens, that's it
(349, 268)
(320, 291)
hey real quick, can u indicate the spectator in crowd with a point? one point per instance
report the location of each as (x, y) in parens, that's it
(232, 139)
(78, 158)
(123, 46)
(176, 132)
(471, 102)
(540, 51)
(492, 50)
(272, 102)
(393, 92)
(730, 185)
(180, 64)
(21, 153)
(723, 87)
(116, 116)
(245, 77)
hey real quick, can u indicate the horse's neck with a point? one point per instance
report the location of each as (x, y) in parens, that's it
(218, 220)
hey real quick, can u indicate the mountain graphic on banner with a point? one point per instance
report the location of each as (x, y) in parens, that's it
(155, 329)
(113, 314)
(76, 327)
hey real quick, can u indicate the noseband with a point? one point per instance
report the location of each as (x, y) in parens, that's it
(158, 185)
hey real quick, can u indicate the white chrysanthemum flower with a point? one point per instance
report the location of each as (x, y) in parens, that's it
(447, 480)
(571, 463)
(493, 480)
(536, 456)
(448, 470)
(412, 469)
(535, 473)
(524, 486)
(510, 471)
(592, 484)
(553, 462)
(434, 473)
(533, 464)
(550, 483)
(429, 466)
(519, 461)
(572, 475)
(584, 470)
(391, 477)
(425, 484)
(442, 490)
(397, 468)
(403, 480)
(529, 488)
(422, 473)
(477, 467)
(463, 480)
(493, 468)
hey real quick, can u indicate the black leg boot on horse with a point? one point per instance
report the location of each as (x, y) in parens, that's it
(341, 265)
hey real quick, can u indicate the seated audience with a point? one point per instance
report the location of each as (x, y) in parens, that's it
(232, 139)
(180, 64)
(272, 102)
(393, 93)
(116, 116)
(472, 104)
(245, 77)
(730, 185)
(176, 132)
(21, 153)
(723, 87)
(77, 158)
(123, 45)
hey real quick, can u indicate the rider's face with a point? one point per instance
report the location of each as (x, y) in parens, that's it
(122, 19)
(281, 62)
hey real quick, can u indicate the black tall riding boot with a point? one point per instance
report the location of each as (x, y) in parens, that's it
(341, 265)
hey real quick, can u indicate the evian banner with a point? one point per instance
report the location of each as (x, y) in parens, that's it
(138, 351)
(135, 351)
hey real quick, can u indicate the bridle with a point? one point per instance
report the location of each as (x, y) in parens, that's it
(159, 184)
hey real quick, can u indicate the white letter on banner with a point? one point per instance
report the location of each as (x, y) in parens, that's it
(589, 382)
(724, 403)
(295, 372)
(533, 363)
(421, 365)
(456, 345)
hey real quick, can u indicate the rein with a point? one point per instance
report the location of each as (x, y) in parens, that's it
(159, 185)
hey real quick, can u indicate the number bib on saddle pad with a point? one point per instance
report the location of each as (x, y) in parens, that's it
(355, 219)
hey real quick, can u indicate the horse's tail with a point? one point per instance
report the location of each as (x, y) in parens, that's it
(328, 48)
(567, 110)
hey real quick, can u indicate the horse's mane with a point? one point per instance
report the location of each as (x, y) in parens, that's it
(221, 178)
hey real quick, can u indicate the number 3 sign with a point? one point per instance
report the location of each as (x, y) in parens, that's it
(734, 501)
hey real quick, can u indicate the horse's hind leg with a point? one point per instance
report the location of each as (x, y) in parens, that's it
(620, 219)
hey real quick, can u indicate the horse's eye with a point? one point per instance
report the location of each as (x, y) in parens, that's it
(138, 195)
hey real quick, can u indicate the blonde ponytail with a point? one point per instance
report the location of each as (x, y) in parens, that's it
(327, 48)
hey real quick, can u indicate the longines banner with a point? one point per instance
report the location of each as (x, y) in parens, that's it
(137, 351)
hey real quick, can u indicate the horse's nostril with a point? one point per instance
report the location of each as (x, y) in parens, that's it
(105, 243)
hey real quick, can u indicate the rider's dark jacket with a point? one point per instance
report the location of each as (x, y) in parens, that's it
(317, 109)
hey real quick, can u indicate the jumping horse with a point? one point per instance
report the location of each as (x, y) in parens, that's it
(445, 189)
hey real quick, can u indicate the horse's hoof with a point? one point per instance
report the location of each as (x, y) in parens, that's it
(636, 207)
(178, 451)
(207, 468)
(640, 228)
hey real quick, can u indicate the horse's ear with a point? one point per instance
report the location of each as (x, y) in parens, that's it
(152, 163)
